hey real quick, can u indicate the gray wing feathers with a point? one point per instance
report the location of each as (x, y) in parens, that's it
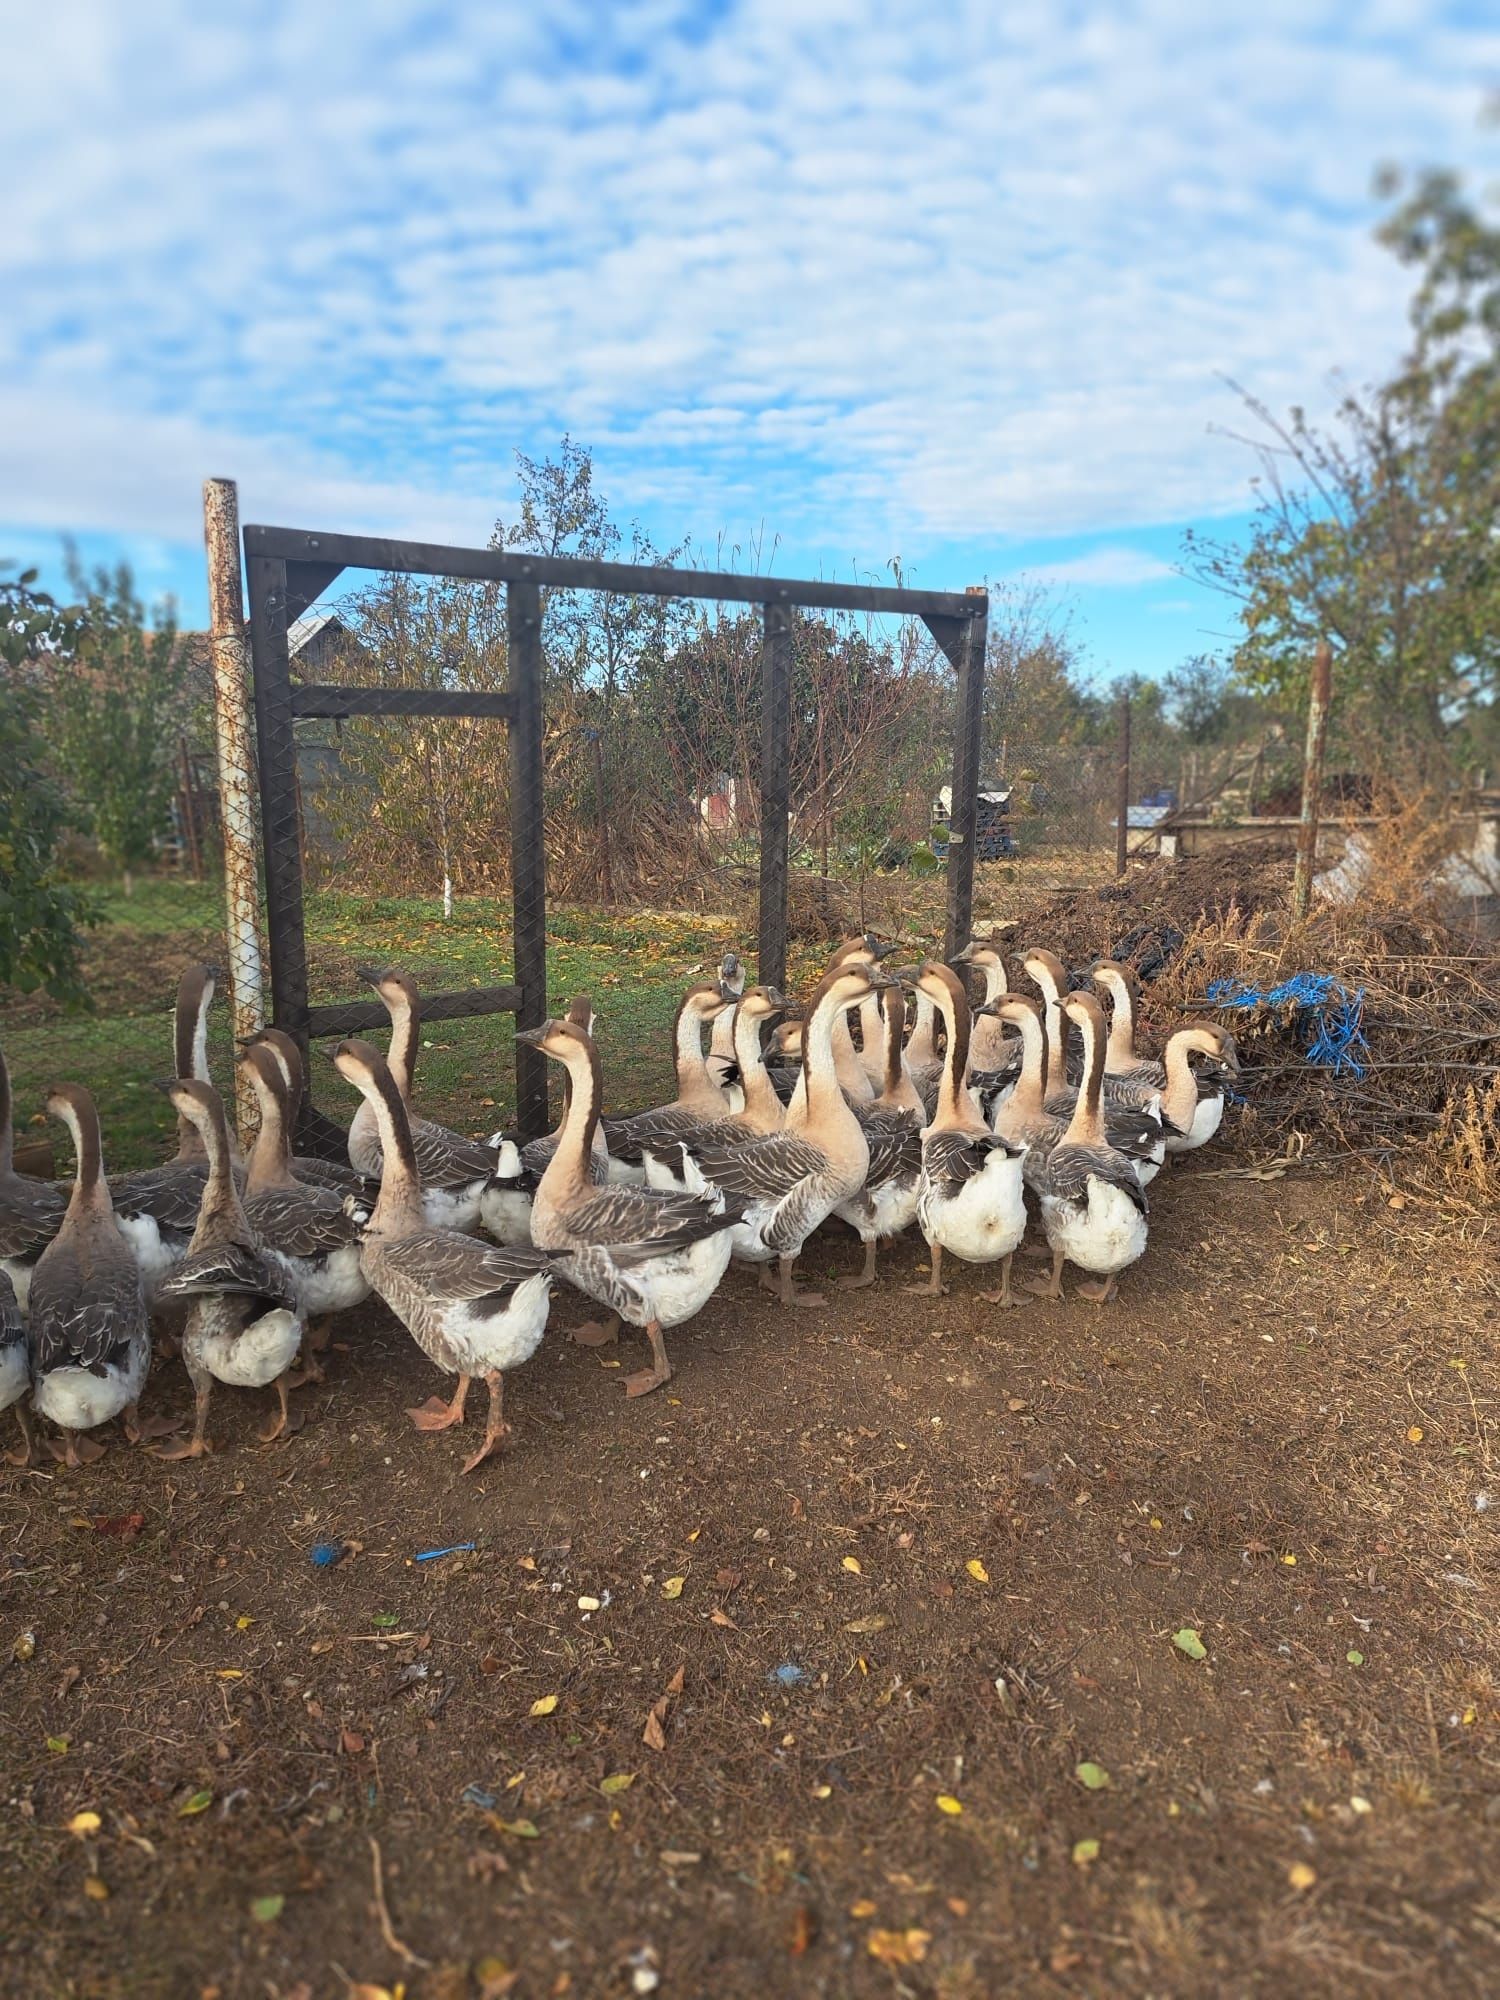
(458, 1267)
(301, 1221)
(84, 1304)
(240, 1270)
(1070, 1169)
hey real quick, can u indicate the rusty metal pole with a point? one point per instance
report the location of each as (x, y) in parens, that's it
(226, 604)
(1312, 777)
(1122, 786)
(596, 746)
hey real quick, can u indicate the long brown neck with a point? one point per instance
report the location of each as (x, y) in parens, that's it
(1180, 1098)
(696, 1089)
(221, 1212)
(1119, 1050)
(271, 1161)
(398, 1209)
(1031, 1086)
(1086, 1126)
(406, 1025)
(90, 1191)
(822, 1095)
(951, 1104)
(567, 1173)
(922, 1048)
(190, 1054)
(762, 1112)
(847, 1065)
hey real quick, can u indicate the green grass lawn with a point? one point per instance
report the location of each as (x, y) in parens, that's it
(634, 963)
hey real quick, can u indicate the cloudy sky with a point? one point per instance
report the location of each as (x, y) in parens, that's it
(954, 284)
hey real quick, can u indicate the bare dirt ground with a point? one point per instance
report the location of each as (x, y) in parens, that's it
(965, 1539)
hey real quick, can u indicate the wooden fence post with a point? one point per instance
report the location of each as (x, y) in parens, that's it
(1312, 778)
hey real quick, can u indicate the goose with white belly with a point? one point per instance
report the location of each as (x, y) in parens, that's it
(245, 1323)
(455, 1171)
(887, 1203)
(1132, 1113)
(87, 1326)
(972, 1201)
(335, 1175)
(505, 1206)
(699, 1100)
(1093, 1206)
(762, 1112)
(723, 1065)
(1192, 1092)
(790, 1181)
(31, 1210)
(473, 1308)
(653, 1259)
(307, 1230)
(994, 1053)
(15, 1369)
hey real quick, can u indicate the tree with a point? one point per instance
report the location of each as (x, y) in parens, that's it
(1377, 531)
(113, 710)
(40, 914)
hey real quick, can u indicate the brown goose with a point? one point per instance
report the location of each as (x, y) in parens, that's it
(336, 1175)
(455, 1171)
(699, 1100)
(653, 1259)
(761, 1112)
(1041, 1122)
(1133, 1113)
(505, 1205)
(31, 1211)
(473, 1308)
(89, 1333)
(887, 1203)
(307, 1230)
(723, 1066)
(245, 1324)
(1192, 1094)
(1093, 1205)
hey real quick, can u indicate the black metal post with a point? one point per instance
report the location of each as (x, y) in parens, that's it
(523, 619)
(277, 757)
(963, 820)
(775, 780)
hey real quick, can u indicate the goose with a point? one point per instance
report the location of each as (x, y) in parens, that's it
(653, 1259)
(1041, 1123)
(994, 1054)
(790, 1181)
(723, 1066)
(245, 1323)
(1093, 1205)
(699, 1099)
(783, 1057)
(15, 1368)
(667, 1167)
(922, 1057)
(1132, 1114)
(336, 1175)
(473, 1308)
(1192, 1094)
(31, 1211)
(454, 1171)
(88, 1329)
(505, 1205)
(887, 1203)
(971, 1200)
(307, 1231)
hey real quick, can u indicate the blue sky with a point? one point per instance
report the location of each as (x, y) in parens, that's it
(954, 285)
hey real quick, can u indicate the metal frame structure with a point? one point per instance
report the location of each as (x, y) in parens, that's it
(288, 569)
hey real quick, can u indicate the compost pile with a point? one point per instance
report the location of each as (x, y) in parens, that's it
(1372, 1028)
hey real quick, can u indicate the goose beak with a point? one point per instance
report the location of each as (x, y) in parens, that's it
(965, 957)
(880, 951)
(992, 1011)
(368, 974)
(532, 1038)
(165, 1084)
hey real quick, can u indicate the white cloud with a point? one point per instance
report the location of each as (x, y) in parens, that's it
(881, 274)
(1110, 568)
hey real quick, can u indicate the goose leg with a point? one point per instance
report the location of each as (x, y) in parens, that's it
(1100, 1290)
(765, 1281)
(436, 1415)
(314, 1341)
(496, 1429)
(1005, 1296)
(197, 1446)
(82, 1450)
(789, 1293)
(867, 1275)
(1049, 1288)
(934, 1288)
(597, 1332)
(269, 1433)
(647, 1379)
(20, 1454)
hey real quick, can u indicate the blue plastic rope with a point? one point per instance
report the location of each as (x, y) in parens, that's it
(1329, 1018)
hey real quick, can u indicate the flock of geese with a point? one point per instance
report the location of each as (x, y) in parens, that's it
(887, 1100)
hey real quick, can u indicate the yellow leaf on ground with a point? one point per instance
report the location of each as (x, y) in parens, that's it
(977, 1570)
(852, 1564)
(618, 1781)
(84, 1822)
(907, 1947)
(96, 1888)
(673, 1586)
(946, 1803)
(544, 1704)
(1301, 1876)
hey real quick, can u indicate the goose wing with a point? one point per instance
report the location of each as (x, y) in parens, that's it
(31, 1213)
(170, 1195)
(242, 1270)
(301, 1221)
(85, 1303)
(895, 1142)
(446, 1159)
(12, 1326)
(625, 1137)
(1070, 1169)
(759, 1170)
(950, 1159)
(454, 1267)
(635, 1224)
(336, 1177)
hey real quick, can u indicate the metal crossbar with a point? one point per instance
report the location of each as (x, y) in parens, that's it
(288, 568)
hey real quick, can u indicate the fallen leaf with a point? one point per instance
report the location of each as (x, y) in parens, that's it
(946, 1803)
(84, 1823)
(863, 1908)
(678, 1681)
(676, 1857)
(25, 1646)
(977, 1570)
(351, 1742)
(1302, 1876)
(494, 1978)
(199, 1802)
(803, 1931)
(1290, 1561)
(521, 1829)
(384, 1621)
(95, 1887)
(673, 1586)
(544, 1704)
(1093, 1777)
(653, 1735)
(852, 1564)
(1187, 1641)
(1085, 1852)
(907, 1947)
(958, 1906)
(618, 1781)
(1415, 1434)
(266, 1909)
(125, 1527)
(230, 1674)
(1355, 1657)
(244, 1622)
(876, 1622)
(717, 1617)
(58, 1745)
